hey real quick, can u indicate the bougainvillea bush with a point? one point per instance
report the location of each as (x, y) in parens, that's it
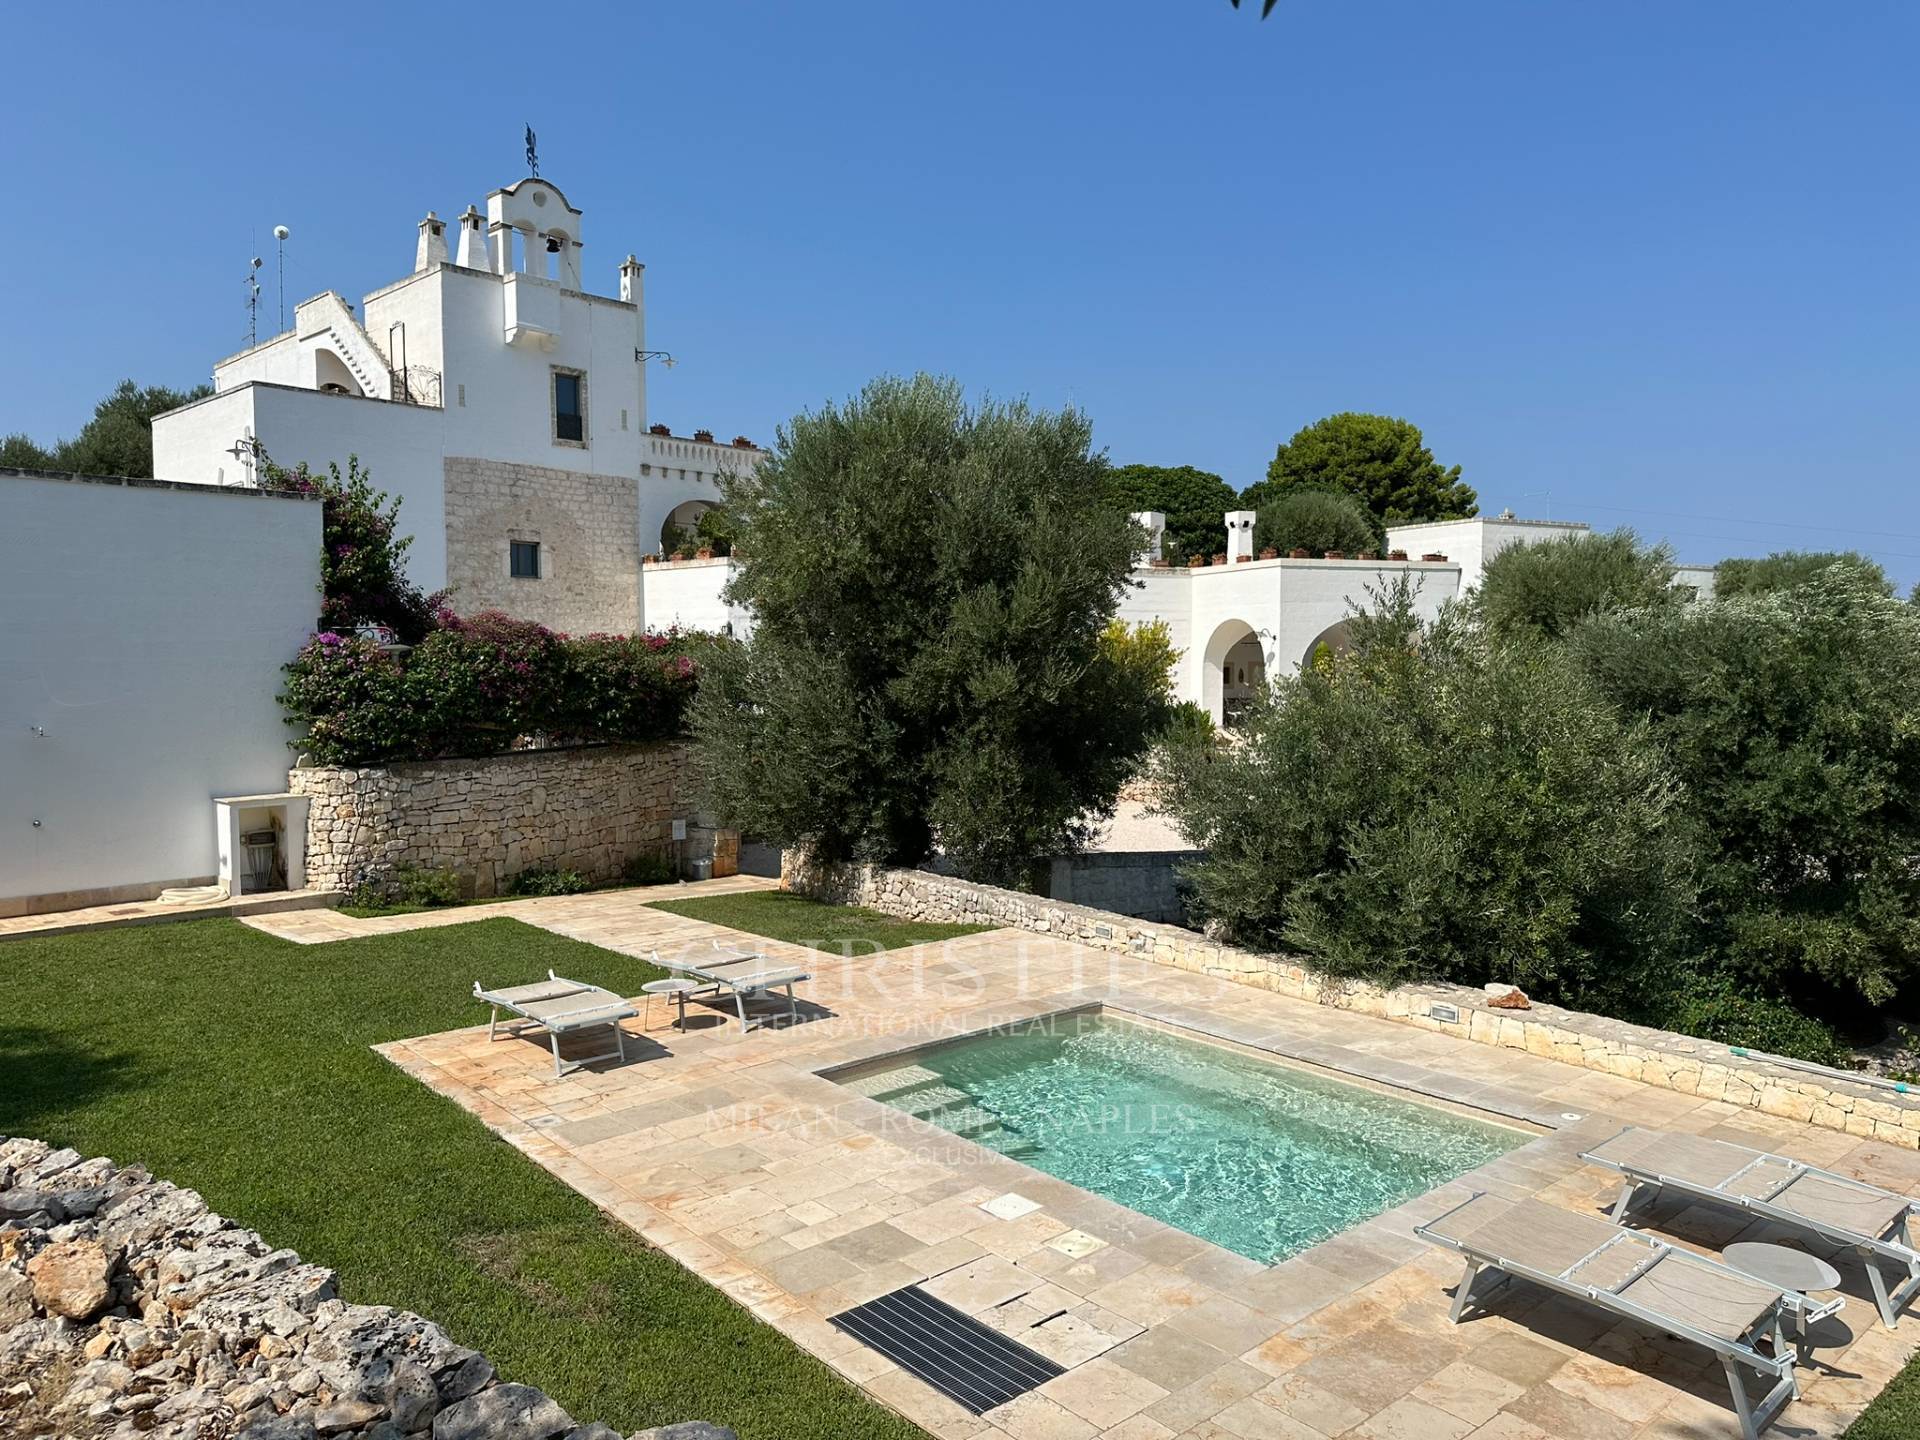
(484, 684)
(363, 579)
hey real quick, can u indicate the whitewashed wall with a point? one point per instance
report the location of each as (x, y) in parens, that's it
(1471, 543)
(142, 630)
(686, 594)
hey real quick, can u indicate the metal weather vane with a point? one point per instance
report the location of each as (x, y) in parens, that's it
(533, 155)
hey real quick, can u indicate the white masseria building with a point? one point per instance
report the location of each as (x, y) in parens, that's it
(503, 402)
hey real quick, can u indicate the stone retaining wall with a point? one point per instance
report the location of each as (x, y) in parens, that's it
(127, 1309)
(1633, 1052)
(586, 808)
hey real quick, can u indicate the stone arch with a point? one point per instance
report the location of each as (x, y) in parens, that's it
(1233, 669)
(330, 373)
(683, 516)
(1337, 637)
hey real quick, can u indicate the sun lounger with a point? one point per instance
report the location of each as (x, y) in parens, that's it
(742, 973)
(1819, 1203)
(560, 1006)
(1635, 1277)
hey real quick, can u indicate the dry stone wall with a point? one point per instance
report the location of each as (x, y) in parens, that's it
(127, 1308)
(1593, 1042)
(586, 808)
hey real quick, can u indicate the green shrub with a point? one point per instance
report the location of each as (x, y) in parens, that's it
(1548, 588)
(1785, 569)
(650, 867)
(481, 684)
(1789, 719)
(1715, 1007)
(547, 881)
(1189, 724)
(1438, 805)
(1315, 521)
(417, 886)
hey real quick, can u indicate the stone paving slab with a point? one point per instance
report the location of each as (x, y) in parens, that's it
(155, 912)
(799, 1199)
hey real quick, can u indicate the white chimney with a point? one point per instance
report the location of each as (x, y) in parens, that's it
(630, 272)
(1239, 535)
(432, 249)
(472, 254)
(1156, 525)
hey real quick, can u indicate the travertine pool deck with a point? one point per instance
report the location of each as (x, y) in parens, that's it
(799, 1200)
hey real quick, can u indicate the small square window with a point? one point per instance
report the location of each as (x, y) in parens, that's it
(523, 559)
(569, 409)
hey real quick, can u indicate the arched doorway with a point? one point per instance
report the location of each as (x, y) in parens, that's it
(1233, 671)
(683, 517)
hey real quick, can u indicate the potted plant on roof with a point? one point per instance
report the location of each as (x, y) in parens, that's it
(660, 430)
(1299, 552)
(1194, 562)
(1269, 553)
(705, 437)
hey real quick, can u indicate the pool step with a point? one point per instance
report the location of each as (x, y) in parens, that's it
(930, 1097)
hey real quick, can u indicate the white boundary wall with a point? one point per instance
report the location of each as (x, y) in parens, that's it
(142, 630)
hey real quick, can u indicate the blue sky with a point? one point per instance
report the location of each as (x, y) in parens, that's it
(1635, 263)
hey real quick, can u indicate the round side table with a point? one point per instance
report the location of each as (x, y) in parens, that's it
(1782, 1265)
(676, 988)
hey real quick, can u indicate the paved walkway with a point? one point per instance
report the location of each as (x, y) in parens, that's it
(582, 917)
(155, 912)
(799, 1200)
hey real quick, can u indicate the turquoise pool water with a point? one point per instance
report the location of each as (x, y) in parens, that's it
(1258, 1158)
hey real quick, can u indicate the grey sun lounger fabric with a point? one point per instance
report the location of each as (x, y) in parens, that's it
(560, 1006)
(1819, 1203)
(1638, 1278)
(743, 973)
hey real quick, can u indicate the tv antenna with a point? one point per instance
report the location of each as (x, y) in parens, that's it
(280, 234)
(253, 303)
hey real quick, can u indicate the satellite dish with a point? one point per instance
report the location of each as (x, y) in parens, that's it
(280, 232)
(256, 262)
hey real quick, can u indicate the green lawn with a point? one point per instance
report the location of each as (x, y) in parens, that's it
(238, 1064)
(1894, 1413)
(842, 929)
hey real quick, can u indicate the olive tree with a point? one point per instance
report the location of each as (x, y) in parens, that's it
(931, 581)
(1442, 804)
(1790, 718)
(1549, 587)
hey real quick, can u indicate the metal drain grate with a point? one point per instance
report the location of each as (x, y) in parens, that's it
(954, 1353)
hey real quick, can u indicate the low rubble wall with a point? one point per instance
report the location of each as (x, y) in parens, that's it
(127, 1308)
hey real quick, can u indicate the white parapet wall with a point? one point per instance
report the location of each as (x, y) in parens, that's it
(689, 595)
(145, 627)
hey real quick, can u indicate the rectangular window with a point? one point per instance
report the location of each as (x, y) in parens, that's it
(569, 406)
(523, 559)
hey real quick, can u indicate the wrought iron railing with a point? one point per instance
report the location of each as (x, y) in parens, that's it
(416, 385)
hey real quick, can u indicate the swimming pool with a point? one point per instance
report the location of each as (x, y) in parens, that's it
(1257, 1157)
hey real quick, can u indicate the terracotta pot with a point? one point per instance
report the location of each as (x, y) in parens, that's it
(1220, 559)
(1158, 563)
(648, 559)
(1334, 555)
(1269, 553)
(1196, 562)
(705, 552)
(1298, 553)
(660, 430)
(1366, 555)
(1433, 556)
(742, 443)
(1396, 554)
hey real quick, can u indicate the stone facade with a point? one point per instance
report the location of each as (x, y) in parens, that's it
(127, 1308)
(1633, 1052)
(584, 524)
(586, 808)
